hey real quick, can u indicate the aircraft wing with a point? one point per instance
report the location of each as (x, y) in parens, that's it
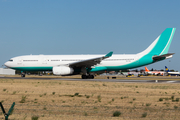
(90, 62)
(156, 58)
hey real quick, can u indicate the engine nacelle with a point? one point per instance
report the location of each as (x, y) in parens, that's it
(62, 70)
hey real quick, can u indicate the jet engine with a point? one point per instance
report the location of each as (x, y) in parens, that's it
(62, 70)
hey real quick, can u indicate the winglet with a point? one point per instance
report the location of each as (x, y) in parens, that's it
(109, 54)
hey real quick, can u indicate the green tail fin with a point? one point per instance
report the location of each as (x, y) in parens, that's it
(161, 45)
(164, 42)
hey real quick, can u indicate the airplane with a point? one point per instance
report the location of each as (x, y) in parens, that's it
(153, 72)
(171, 73)
(128, 74)
(88, 65)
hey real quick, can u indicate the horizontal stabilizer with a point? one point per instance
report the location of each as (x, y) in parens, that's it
(160, 57)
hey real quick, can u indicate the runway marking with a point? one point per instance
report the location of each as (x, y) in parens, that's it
(98, 80)
(171, 81)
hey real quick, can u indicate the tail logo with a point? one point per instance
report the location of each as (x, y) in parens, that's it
(166, 69)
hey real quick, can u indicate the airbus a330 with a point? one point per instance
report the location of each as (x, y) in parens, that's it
(87, 65)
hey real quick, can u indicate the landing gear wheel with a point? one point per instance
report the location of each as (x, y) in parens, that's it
(91, 76)
(87, 76)
(22, 75)
(84, 77)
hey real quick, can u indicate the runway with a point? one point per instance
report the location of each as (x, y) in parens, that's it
(98, 80)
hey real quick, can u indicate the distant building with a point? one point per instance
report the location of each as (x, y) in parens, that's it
(6, 71)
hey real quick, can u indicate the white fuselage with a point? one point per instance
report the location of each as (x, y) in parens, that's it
(155, 72)
(54, 60)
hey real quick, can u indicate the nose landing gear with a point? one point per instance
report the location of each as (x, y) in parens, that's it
(23, 74)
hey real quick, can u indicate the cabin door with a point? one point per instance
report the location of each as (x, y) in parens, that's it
(45, 60)
(19, 61)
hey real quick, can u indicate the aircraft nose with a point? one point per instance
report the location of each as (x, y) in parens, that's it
(6, 64)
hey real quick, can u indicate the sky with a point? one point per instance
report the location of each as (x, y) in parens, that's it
(55, 27)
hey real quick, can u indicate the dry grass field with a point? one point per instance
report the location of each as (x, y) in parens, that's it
(79, 100)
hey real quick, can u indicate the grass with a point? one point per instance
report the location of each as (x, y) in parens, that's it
(44, 108)
(144, 114)
(89, 100)
(34, 118)
(160, 99)
(14, 92)
(23, 99)
(175, 107)
(148, 104)
(99, 98)
(4, 89)
(116, 114)
(87, 96)
(85, 114)
(76, 94)
(177, 99)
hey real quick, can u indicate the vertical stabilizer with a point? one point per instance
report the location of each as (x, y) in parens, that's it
(162, 43)
(166, 69)
(146, 69)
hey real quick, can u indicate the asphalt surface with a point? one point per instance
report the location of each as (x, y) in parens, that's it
(99, 80)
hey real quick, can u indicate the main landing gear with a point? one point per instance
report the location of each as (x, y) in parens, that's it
(87, 76)
(23, 74)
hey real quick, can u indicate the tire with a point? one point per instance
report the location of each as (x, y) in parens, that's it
(22, 75)
(92, 76)
(84, 77)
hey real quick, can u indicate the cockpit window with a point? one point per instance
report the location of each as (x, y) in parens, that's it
(11, 60)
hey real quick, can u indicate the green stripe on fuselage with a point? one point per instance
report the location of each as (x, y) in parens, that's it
(33, 68)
